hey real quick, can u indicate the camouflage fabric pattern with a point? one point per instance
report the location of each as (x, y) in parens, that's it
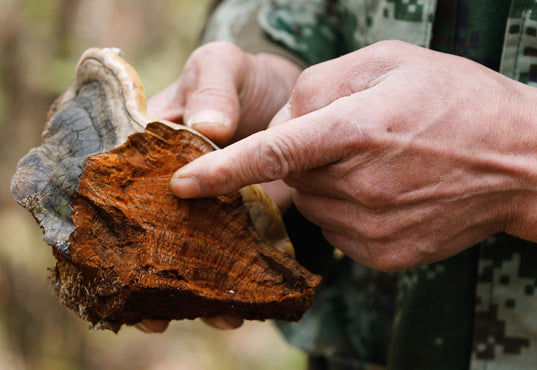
(476, 310)
(228, 18)
(471, 29)
(519, 59)
(307, 27)
(366, 22)
(237, 21)
(505, 335)
(321, 30)
(433, 322)
(355, 318)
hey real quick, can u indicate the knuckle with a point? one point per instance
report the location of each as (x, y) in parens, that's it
(387, 49)
(383, 256)
(304, 97)
(397, 254)
(222, 174)
(381, 58)
(214, 95)
(306, 80)
(374, 228)
(390, 262)
(373, 195)
(273, 161)
(388, 256)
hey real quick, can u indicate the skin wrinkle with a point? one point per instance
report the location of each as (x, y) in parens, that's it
(443, 189)
(250, 89)
(385, 259)
(371, 220)
(360, 162)
(373, 79)
(258, 104)
(256, 100)
(214, 92)
(274, 163)
(309, 80)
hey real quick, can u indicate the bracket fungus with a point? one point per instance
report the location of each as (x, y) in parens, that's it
(126, 248)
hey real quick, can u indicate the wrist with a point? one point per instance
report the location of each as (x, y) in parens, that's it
(521, 209)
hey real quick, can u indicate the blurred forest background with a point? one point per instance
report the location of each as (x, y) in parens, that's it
(40, 43)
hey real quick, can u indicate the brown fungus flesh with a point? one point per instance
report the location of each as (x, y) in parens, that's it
(126, 248)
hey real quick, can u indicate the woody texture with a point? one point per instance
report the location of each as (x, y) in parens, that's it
(126, 248)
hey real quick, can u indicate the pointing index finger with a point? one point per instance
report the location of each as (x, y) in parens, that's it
(300, 144)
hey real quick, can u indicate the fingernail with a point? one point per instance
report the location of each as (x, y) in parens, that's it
(152, 326)
(207, 117)
(224, 322)
(185, 187)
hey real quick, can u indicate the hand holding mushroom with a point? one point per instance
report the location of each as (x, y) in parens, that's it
(126, 249)
(227, 94)
(402, 155)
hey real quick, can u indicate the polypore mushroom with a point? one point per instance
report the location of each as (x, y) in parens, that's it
(126, 248)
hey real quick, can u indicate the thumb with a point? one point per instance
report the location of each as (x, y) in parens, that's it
(211, 83)
(303, 143)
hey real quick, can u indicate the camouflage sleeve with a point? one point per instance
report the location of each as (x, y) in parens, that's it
(237, 21)
(311, 28)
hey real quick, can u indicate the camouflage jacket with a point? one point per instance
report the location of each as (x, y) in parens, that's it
(476, 310)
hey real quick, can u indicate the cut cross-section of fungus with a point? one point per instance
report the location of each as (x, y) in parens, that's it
(126, 248)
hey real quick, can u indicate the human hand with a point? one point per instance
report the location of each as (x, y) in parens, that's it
(225, 93)
(402, 155)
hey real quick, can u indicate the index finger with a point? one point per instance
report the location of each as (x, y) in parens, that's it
(306, 142)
